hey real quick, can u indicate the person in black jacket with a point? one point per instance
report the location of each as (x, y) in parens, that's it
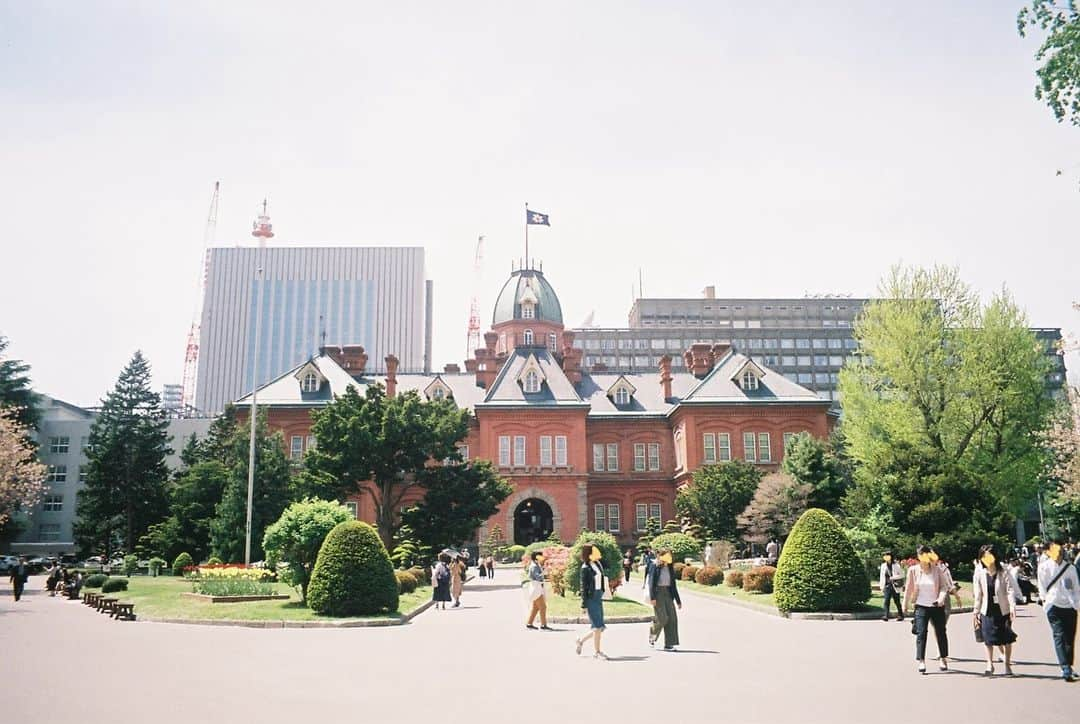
(19, 574)
(593, 583)
(664, 597)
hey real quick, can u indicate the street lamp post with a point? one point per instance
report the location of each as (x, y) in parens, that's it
(262, 229)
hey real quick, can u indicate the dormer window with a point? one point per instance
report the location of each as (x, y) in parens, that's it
(531, 376)
(748, 376)
(310, 382)
(528, 311)
(438, 390)
(532, 382)
(622, 392)
(528, 337)
(622, 396)
(553, 342)
(749, 381)
(438, 393)
(310, 378)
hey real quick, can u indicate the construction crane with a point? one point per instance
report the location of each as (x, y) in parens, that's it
(191, 354)
(472, 336)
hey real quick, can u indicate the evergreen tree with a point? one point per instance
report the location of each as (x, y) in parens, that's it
(812, 461)
(458, 497)
(218, 444)
(126, 475)
(717, 495)
(271, 494)
(15, 389)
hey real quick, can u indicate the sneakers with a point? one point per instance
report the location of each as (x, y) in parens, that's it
(546, 628)
(652, 641)
(600, 655)
(1069, 676)
(530, 626)
(922, 667)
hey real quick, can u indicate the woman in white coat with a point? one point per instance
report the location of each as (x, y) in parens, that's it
(891, 582)
(995, 607)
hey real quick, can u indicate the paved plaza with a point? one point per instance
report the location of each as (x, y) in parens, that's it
(63, 662)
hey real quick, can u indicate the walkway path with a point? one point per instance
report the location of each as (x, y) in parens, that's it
(478, 664)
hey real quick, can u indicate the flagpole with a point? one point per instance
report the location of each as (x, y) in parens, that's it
(526, 234)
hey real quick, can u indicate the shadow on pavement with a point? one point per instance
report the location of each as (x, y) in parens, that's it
(630, 659)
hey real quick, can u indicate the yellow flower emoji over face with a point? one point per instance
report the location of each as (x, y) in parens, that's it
(540, 558)
(595, 555)
(933, 557)
(987, 559)
(887, 559)
(924, 558)
(1054, 551)
(666, 559)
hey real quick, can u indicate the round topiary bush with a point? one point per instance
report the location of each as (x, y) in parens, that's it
(113, 585)
(734, 579)
(818, 568)
(214, 561)
(682, 546)
(418, 573)
(514, 554)
(184, 560)
(611, 557)
(678, 567)
(688, 573)
(95, 580)
(406, 582)
(709, 576)
(759, 579)
(353, 575)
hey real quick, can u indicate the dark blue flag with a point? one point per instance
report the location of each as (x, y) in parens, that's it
(536, 218)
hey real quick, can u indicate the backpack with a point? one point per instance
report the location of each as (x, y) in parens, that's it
(442, 574)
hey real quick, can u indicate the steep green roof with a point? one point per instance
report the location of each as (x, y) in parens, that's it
(527, 282)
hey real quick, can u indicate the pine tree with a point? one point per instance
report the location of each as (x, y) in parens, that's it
(126, 475)
(15, 389)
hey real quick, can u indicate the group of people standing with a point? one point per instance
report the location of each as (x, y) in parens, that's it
(928, 585)
(448, 579)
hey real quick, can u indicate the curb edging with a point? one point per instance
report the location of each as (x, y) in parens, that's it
(359, 623)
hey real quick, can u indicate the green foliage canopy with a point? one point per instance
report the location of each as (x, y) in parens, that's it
(717, 495)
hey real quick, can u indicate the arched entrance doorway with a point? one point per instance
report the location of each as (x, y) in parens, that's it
(533, 521)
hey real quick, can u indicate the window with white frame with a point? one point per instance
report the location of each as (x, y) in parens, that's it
(53, 504)
(545, 451)
(622, 396)
(723, 441)
(528, 311)
(600, 516)
(639, 456)
(788, 437)
(612, 456)
(352, 508)
(709, 442)
(310, 382)
(749, 381)
(84, 444)
(519, 450)
(296, 447)
(49, 531)
(504, 451)
(654, 456)
(309, 443)
(528, 336)
(654, 511)
(553, 342)
(532, 382)
(749, 445)
(764, 447)
(82, 473)
(680, 461)
(463, 451)
(641, 516)
(438, 393)
(59, 444)
(560, 450)
(598, 457)
(613, 517)
(57, 474)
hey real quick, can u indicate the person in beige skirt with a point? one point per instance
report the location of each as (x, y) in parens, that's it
(457, 580)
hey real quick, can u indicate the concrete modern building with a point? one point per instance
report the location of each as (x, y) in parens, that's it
(62, 442)
(807, 340)
(373, 296)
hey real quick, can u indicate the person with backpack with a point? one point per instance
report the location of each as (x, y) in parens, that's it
(1059, 591)
(440, 581)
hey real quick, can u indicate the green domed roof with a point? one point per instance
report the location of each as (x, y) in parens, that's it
(527, 285)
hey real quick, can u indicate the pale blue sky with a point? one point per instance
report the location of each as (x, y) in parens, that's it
(767, 150)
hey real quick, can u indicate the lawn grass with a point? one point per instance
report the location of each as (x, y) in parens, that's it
(160, 598)
(570, 606)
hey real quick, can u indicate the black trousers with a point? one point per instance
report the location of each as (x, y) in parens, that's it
(925, 616)
(1063, 625)
(19, 589)
(891, 594)
(626, 572)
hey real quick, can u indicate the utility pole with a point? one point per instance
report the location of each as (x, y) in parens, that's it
(262, 229)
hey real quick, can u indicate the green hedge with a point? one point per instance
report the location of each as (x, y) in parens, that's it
(682, 546)
(95, 580)
(184, 560)
(113, 585)
(406, 581)
(818, 568)
(609, 550)
(709, 576)
(353, 575)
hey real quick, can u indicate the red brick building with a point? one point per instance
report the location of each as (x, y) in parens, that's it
(582, 448)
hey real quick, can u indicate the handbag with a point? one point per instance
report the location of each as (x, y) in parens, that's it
(978, 629)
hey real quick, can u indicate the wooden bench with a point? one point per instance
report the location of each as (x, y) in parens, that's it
(91, 599)
(125, 611)
(105, 605)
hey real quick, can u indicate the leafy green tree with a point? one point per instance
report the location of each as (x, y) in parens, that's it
(193, 504)
(458, 497)
(408, 550)
(272, 493)
(380, 445)
(812, 461)
(495, 542)
(777, 503)
(218, 443)
(874, 534)
(15, 391)
(948, 383)
(717, 495)
(1059, 54)
(298, 535)
(126, 475)
(652, 529)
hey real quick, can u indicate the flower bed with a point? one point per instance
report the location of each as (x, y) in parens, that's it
(234, 582)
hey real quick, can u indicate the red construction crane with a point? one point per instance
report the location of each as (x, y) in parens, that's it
(191, 354)
(472, 336)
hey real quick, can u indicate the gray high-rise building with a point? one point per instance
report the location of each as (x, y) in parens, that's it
(312, 296)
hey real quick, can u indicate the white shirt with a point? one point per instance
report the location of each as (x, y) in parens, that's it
(599, 572)
(1066, 592)
(927, 590)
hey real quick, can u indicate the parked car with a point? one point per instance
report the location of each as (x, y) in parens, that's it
(7, 562)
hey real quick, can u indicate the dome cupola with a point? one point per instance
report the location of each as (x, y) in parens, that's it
(526, 296)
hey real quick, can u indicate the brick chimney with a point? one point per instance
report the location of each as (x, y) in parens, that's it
(391, 375)
(699, 359)
(452, 369)
(470, 366)
(490, 340)
(571, 357)
(351, 357)
(719, 351)
(665, 376)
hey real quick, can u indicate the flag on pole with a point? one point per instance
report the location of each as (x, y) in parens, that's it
(536, 219)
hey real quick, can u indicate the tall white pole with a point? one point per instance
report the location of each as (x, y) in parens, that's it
(254, 412)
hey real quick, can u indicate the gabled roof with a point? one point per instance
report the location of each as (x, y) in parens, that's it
(648, 399)
(557, 390)
(437, 383)
(721, 385)
(621, 382)
(750, 365)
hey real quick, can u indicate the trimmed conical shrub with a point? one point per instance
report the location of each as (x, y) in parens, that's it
(353, 575)
(818, 568)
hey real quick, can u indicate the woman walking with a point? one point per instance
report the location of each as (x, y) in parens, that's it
(664, 597)
(457, 579)
(490, 565)
(927, 588)
(627, 565)
(1059, 591)
(440, 582)
(481, 565)
(995, 607)
(891, 580)
(593, 583)
(535, 592)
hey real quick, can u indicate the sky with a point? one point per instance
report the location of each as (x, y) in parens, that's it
(769, 150)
